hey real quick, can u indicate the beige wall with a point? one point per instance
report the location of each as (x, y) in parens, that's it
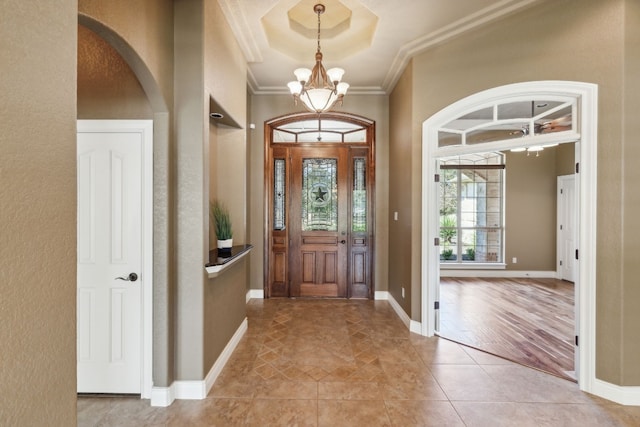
(107, 87)
(579, 40)
(630, 239)
(225, 72)
(266, 107)
(38, 213)
(530, 219)
(188, 154)
(147, 51)
(400, 179)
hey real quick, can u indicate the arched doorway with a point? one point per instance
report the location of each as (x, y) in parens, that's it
(157, 255)
(319, 182)
(444, 135)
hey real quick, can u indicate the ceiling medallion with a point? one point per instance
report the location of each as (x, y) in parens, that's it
(318, 89)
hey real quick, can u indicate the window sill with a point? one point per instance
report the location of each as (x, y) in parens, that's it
(473, 266)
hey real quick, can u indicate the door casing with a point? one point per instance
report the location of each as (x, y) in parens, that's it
(277, 243)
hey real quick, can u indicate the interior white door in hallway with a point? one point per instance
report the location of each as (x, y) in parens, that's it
(109, 279)
(566, 245)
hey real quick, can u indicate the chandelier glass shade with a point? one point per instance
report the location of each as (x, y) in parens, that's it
(318, 89)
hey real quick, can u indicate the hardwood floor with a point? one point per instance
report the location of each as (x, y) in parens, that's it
(528, 321)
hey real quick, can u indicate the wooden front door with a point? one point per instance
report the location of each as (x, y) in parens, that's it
(319, 191)
(318, 222)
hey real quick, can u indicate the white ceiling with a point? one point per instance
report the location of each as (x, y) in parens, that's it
(403, 28)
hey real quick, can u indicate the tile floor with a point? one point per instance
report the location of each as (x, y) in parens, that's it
(353, 363)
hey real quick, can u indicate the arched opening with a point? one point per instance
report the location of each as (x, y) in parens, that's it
(157, 261)
(444, 135)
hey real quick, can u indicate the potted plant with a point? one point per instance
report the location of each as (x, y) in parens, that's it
(221, 221)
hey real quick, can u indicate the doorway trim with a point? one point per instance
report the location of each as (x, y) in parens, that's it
(145, 128)
(282, 135)
(586, 97)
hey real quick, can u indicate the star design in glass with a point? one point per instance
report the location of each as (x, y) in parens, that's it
(320, 194)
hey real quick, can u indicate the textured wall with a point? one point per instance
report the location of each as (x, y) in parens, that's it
(530, 220)
(581, 40)
(144, 47)
(107, 87)
(400, 140)
(631, 177)
(38, 213)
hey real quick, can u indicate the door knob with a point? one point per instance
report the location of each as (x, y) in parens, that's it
(343, 241)
(132, 277)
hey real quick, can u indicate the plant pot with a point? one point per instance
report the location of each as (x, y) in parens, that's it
(225, 245)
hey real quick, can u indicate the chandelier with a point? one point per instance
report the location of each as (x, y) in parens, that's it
(318, 89)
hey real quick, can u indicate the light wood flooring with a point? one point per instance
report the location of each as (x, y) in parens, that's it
(528, 321)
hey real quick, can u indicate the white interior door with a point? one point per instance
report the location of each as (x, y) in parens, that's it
(109, 335)
(566, 227)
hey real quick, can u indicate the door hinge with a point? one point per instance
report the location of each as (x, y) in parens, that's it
(576, 340)
(436, 241)
(577, 167)
(560, 263)
(436, 305)
(577, 254)
(436, 178)
(561, 191)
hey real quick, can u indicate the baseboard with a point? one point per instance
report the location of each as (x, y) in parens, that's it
(412, 325)
(381, 295)
(255, 294)
(624, 395)
(162, 396)
(224, 357)
(197, 390)
(499, 273)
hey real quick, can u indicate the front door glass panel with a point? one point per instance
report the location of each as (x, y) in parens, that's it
(319, 195)
(359, 194)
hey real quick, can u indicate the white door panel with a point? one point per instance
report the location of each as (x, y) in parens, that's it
(566, 227)
(109, 246)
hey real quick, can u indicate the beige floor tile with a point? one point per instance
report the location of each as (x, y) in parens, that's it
(277, 389)
(352, 413)
(508, 414)
(468, 382)
(350, 390)
(210, 412)
(427, 413)
(279, 412)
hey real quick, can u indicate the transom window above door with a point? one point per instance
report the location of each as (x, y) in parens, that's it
(509, 120)
(320, 129)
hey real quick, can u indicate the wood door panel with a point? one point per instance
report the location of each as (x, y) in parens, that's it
(308, 267)
(320, 240)
(318, 261)
(315, 290)
(329, 268)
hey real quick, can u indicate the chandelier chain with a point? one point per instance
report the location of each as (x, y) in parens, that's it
(318, 11)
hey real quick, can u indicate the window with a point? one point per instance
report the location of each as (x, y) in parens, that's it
(471, 209)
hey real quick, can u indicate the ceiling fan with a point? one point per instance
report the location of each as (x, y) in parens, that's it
(556, 125)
